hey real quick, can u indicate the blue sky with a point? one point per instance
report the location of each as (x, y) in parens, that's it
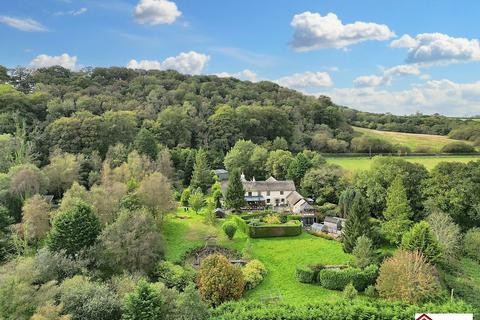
(384, 56)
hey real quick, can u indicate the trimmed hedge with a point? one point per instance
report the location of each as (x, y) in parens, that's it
(304, 274)
(356, 309)
(275, 230)
(337, 279)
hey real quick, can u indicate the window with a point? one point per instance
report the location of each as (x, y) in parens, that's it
(283, 200)
(249, 194)
(281, 193)
(268, 200)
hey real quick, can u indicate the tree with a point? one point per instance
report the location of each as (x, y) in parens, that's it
(447, 233)
(74, 229)
(421, 238)
(230, 228)
(357, 223)
(471, 243)
(247, 157)
(345, 201)
(196, 201)
(132, 243)
(190, 305)
(27, 180)
(278, 163)
(86, 300)
(62, 171)
(202, 175)
(148, 302)
(219, 281)
(36, 217)
(106, 200)
(397, 213)
(185, 197)
(156, 194)
(145, 143)
(235, 195)
(407, 277)
(121, 126)
(364, 252)
(5, 221)
(164, 163)
(324, 184)
(279, 143)
(298, 168)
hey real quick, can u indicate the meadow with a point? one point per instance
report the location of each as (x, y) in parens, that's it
(414, 141)
(355, 164)
(186, 231)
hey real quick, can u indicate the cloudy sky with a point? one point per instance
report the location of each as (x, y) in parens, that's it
(384, 56)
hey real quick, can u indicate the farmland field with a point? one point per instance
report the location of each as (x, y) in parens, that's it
(363, 163)
(414, 141)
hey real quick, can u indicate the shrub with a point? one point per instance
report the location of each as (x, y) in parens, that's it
(457, 147)
(272, 219)
(293, 228)
(471, 243)
(363, 252)
(350, 292)
(229, 227)
(219, 281)
(241, 224)
(371, 292)
(304, 274)
(407, 277)
(296, 217)
(323, 235)
(338, 279)
(173, 275)
(56, 266)
(253, 273)
(74, 229)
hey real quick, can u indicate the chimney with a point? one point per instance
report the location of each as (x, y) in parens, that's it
(242, 177)
(253, 179)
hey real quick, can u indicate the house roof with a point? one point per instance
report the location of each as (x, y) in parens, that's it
(269, 185)
(293, 198)
(332, 220)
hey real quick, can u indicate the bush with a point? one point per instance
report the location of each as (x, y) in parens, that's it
(305, 274)
(350, 292)
(253, 273)
(241, 224)
(471, 243)
(338, 279)
(371, 292)
(174, 276)
(457, 147)
(407, 277)
(323, 235)
(219, 281)
(272, 219)
(229, 227)
(293, 228)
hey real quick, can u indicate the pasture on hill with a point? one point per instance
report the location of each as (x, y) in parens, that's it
(355, 164)
(430, 142)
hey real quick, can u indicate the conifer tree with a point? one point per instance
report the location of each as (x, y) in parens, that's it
(345, 201)
(202, 176)
(421, 238)
(235, 195)
(397, 213)
(357, 223)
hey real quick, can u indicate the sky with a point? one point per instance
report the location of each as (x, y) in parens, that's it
(400, 57)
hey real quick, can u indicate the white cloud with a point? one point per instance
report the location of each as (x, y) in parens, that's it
(64, 60)
(71, 12)
(242, 75)
(28, 25)
(313, 31)
(305, 80)
(435, 96)
(154, 12)
(387, 77)
(433, 48)
(186, 62)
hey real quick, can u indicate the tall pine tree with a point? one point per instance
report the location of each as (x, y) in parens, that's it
(357, 223)
(235, 195)
(398, 212)
(202, 176)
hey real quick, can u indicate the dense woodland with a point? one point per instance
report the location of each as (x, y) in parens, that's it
(93, 164)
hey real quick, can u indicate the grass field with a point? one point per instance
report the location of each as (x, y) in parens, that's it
(355, 164)
(414, 141)
(280, 256)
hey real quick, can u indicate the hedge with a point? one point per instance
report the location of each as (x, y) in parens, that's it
(275, 230)
(336, 279)
(259, 214)
(308, 273)
(354, 309)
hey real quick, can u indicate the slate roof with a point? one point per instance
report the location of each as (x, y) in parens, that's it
(269, 185)
(293, 198)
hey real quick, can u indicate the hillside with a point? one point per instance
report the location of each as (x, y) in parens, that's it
(416, 142)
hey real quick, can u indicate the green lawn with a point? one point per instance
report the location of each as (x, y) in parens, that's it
(411, 140)
(280, 256)
(355, 164)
